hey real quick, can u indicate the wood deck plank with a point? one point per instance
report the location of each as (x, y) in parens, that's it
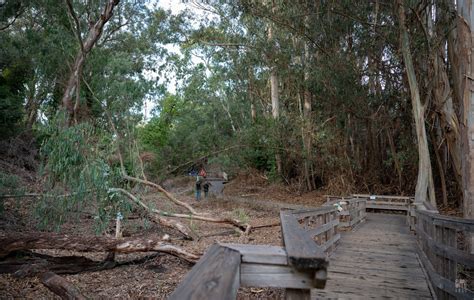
(377, 260)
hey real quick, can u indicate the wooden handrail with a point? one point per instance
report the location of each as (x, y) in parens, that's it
(386, 202)
(410, 198)
(215, 276)
(353, 211)
(444, 244)
(308, 235)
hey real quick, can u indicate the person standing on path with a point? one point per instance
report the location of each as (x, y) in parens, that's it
(206, 186)
(199, 181)
(198, 188)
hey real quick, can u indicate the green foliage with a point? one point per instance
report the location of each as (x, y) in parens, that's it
(241, 215)
(75, 163)
(15, 70)
(347, 64)
(156, 132)
(9, 185)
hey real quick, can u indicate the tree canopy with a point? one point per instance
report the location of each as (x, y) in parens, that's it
(315, 94)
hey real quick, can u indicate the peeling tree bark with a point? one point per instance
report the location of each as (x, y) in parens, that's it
(424, 184)
(39, 240)
(462, 57)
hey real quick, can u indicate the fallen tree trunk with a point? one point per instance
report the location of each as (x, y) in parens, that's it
(27, 241)
(26, 264)
(61, 286)
(236, 223)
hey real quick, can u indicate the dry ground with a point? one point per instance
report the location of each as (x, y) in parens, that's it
(247, 197)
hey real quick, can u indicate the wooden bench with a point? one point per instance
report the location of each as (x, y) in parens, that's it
(309, 236)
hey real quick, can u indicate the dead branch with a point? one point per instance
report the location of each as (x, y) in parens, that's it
(241, 226)
(41, 240)
(183, 229)
(163, 191)
(266, 225)
(221, 233)
(201, 158)
(61, 286)
(17, 15)
(76, 30)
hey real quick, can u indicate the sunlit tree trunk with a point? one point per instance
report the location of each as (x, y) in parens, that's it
(424, 184)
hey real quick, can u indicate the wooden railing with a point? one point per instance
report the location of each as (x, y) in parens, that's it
(445, 249)
(412, 212)
(309, 236)
(353, 211)
(400, 203)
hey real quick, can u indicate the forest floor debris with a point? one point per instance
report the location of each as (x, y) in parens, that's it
(157, 275)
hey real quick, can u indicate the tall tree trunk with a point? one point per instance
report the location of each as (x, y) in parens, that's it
(463, 72)
(424, 184)
(253, 109)
(395, 158)
(307, 107)
(439, 162)
(274, 94)
(73, 84)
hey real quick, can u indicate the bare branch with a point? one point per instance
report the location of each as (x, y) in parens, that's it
(76, 21)
(20, 11)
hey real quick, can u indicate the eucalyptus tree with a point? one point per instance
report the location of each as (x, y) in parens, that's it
(462, 69)
(424, 186)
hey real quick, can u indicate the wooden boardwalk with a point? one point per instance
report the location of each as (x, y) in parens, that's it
(339, 251)
(376, 260)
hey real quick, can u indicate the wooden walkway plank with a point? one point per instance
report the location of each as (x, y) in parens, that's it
(377, 260)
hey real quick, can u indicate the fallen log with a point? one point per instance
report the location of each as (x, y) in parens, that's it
(244, 228)
(40, 240)
(23, 264)
(61, 286)
(26, 264)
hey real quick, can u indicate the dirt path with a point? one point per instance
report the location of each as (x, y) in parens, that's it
(267, 204)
